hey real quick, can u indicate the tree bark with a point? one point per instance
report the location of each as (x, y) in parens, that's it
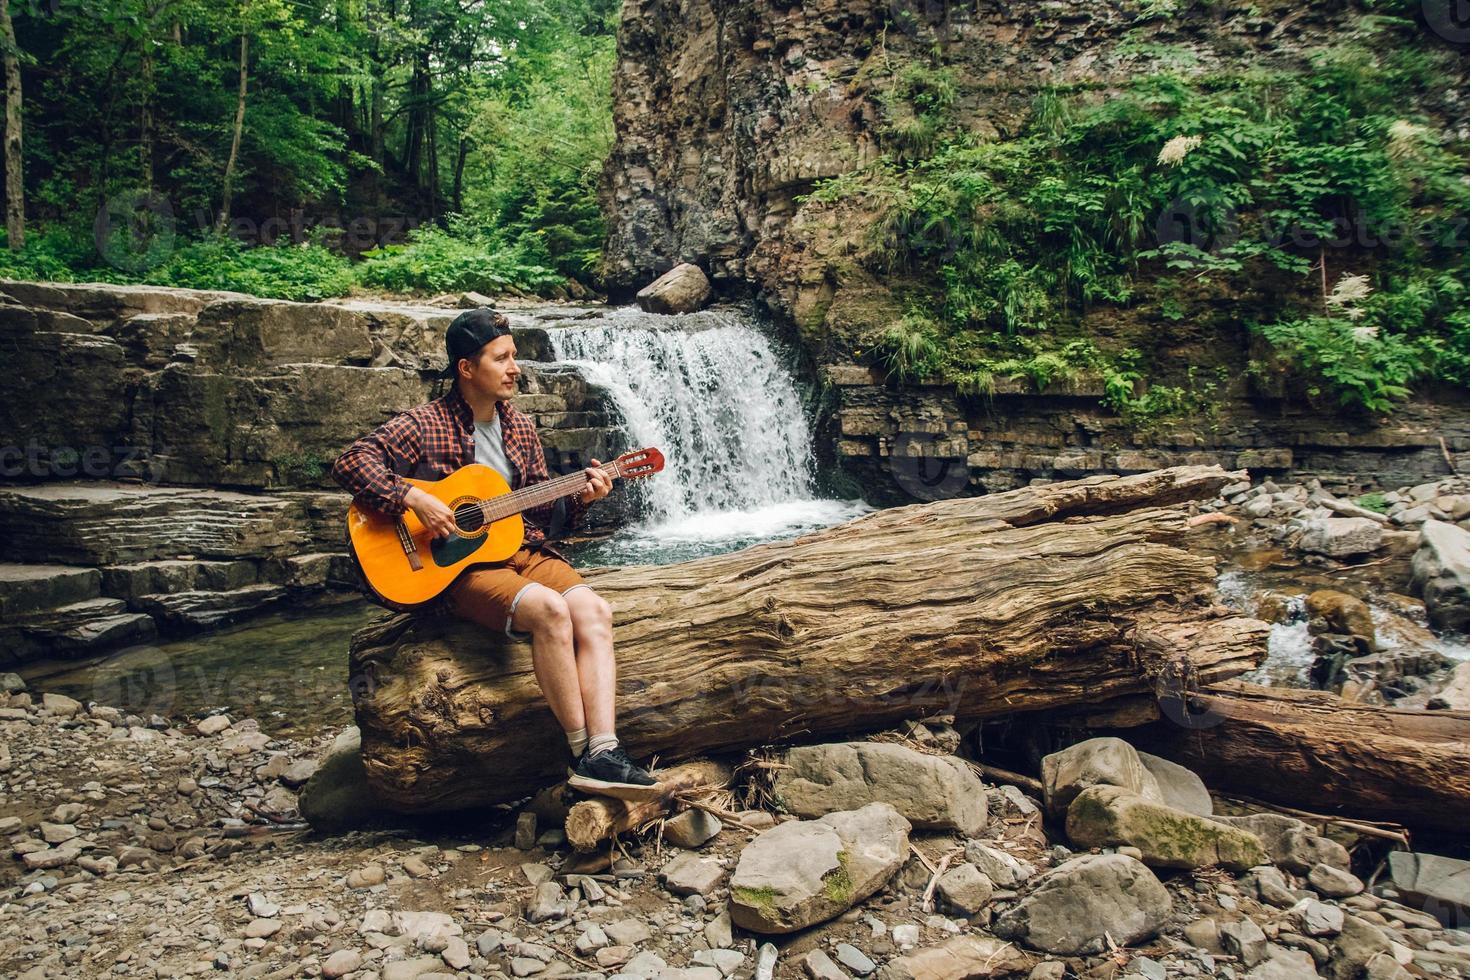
(224, 208)
(15, 194)
(1065, 594)
(1313, 750)
(590, 822)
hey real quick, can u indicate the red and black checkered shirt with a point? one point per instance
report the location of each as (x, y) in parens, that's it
(432, 441)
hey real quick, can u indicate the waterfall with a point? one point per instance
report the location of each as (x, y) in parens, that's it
(715, 395)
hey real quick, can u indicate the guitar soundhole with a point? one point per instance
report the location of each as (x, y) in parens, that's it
(468, 517)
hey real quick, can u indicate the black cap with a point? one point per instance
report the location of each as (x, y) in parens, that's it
(470, 331)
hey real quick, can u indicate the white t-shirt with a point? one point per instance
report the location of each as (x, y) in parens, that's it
(490, 447)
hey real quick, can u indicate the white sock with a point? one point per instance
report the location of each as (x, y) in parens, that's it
(601, 743)
(577, 741)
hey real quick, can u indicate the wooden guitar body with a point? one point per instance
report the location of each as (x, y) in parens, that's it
(389, 566)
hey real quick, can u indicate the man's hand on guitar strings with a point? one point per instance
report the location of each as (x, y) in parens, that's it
(599, 484)
(432, 512)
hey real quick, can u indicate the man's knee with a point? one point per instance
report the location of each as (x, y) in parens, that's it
(542, 611)
(588, 608)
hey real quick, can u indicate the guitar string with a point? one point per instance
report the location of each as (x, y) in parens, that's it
(528, 497)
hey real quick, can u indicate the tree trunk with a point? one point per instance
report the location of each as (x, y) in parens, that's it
(464, 150)
(1322, 753)
(15, 193)
(145, 121)
(590, 822)
(1065, 594)
(224, 208)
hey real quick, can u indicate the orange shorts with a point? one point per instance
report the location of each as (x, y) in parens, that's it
(489, 594)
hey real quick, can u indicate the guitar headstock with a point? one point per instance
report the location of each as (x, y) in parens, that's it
(639, 463)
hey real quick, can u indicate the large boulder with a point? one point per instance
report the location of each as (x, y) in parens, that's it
(1110, 816)
(807, 871)
(1441, 574)
(337, 797)
(1095, 762)
(1340, 537)
(965, 957)
(1181, 788)
(1438, 885)
(683, 289)
(1083, 905)
(1344, 614)
(1291, 843)
(932, 792)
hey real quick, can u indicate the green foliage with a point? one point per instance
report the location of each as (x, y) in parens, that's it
(295, 272)
(435, 261)
(1373, 501)
(1182, 179)
(1359, 370)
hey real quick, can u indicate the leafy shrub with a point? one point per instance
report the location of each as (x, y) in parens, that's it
(295, 272)
(436, 261)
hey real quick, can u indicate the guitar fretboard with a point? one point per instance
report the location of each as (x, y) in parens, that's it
(499, 508)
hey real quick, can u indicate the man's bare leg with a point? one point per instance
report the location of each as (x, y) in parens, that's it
(544, 614)
(597, 669)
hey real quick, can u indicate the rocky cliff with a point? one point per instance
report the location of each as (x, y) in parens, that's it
(728, 113)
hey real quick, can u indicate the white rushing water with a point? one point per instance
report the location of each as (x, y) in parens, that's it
(712, 392)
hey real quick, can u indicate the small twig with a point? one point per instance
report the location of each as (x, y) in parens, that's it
(1368, 828)
(928, 902)
(728, 815)
(920, 855)
(1448, 459)
(577, 959)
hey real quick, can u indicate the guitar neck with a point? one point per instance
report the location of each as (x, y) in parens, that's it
(497, 508)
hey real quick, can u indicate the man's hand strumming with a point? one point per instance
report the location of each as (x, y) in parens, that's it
(433, 512)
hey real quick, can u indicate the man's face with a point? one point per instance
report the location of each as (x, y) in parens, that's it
(492, 373)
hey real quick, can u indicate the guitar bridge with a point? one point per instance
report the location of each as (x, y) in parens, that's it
(410, 548)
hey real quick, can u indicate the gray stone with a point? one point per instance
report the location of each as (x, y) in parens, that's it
(683, 289)
(1110, 816)
(803, 872)
(930, 791)
(689, 874)
(1284, 964)
(11, 683)
(1290, 842)
(525, 837)
(341, 963)
(692, 828)
(1004, 869)
(1358, 945)
(1181, 788)
(645, 964)
(1441, 574)
(628, 932)
(819, 966)
(1081, 905)
(337, 796)
(1244, 940)
(854, 959)
(966, 888)
(548, 902)
(1334, 882)
(727, 961)
(1317, 918)
(1339, 537)
(1438, 885)
(968, 956)
(60, 705)
(718, 931)
(1095, 762)
(412, 968)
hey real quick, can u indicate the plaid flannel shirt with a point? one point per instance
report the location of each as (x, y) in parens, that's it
(432, 441)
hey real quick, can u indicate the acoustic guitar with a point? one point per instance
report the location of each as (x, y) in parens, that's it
(406, 566)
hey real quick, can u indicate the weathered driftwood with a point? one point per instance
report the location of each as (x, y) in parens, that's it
(590, 822)
(1315, 750)
(1057, 595)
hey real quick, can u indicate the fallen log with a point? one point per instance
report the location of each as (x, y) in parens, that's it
(590, 822)
(1313, 749)
(1050, 596)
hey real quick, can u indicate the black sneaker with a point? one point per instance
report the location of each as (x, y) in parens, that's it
(611, 773)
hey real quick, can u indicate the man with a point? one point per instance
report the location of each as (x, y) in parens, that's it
(536, 590)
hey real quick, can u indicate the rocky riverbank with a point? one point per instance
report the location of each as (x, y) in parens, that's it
(145, 847)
